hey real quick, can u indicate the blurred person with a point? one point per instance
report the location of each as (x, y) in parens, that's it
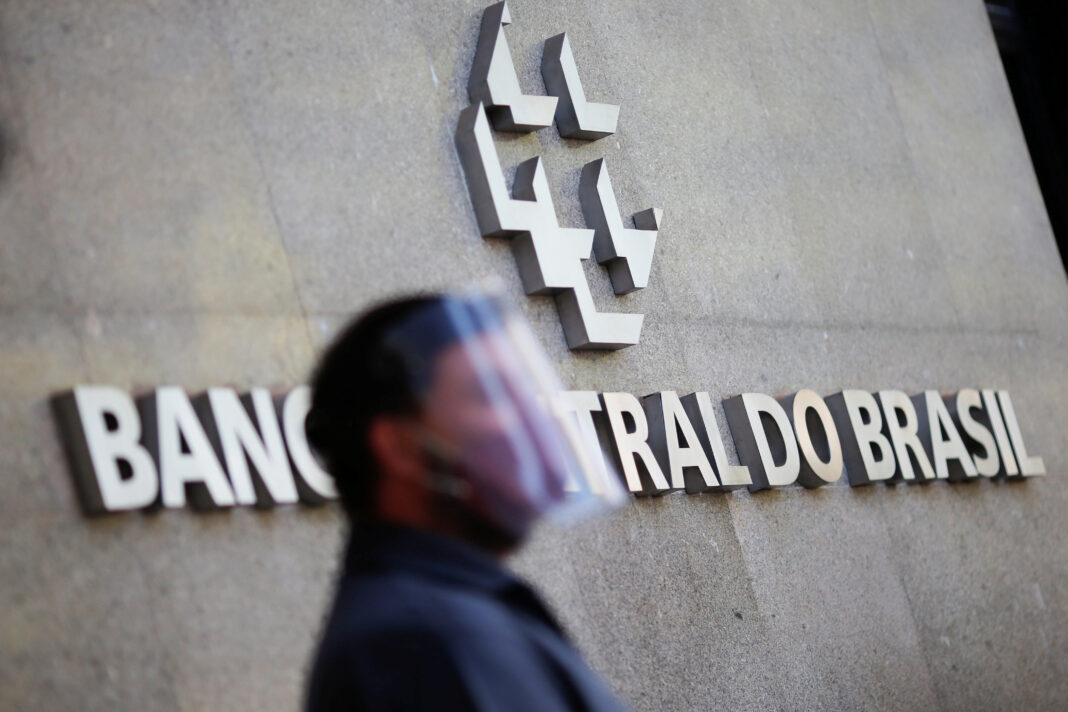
(436, 417)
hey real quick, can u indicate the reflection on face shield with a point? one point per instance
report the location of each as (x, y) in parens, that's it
(487, 421)
(482, 422)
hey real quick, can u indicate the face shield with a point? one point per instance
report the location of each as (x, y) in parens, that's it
(491, 421)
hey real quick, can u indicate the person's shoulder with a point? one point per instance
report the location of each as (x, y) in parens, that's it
(393, 640)
(398, 641)
(399, 602)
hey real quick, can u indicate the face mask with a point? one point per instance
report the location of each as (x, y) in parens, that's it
(495, 439)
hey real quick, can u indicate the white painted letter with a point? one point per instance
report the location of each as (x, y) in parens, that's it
(815, 471)
(699, 407)
(989, 464)
(860, 439)
(176, 424)
(950, 447)
(314, 484)
(993, 411)
(666, 418)
(631, 445)
(239, 437)
(746, 415)
(1029, 466)
(97, 450)
(582, 405)
(904, 435)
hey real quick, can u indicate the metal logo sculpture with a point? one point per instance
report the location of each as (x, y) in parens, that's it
(550, 257)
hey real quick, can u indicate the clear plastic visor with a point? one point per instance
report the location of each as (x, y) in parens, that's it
(492, 419)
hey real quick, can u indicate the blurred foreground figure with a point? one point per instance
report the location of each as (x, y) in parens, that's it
(440, 420)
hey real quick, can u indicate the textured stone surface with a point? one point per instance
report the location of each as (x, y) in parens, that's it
(977, 566)
(844, 641)
(41, 353)
(155, 200)
(686, 589)
(201, 193)
(964, 147)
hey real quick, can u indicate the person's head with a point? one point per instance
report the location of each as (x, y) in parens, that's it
(423, 416)
(358, 378)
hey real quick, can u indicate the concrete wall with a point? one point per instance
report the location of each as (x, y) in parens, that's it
(199, 193)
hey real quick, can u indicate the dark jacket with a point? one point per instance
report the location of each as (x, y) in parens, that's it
(421, 622)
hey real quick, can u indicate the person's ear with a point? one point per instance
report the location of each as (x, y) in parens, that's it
(395, 446)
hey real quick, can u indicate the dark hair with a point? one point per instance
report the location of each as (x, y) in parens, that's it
(359, 377)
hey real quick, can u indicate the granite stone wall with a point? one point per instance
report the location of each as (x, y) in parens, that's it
(199, 193)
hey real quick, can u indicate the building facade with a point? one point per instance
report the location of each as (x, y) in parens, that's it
(200, 194)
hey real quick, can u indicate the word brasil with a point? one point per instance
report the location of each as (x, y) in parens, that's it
(223, 449)
(665, 442)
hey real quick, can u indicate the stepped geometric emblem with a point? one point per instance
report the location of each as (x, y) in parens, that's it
(550, 257)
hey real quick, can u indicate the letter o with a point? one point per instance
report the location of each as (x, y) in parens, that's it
(815, 471)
